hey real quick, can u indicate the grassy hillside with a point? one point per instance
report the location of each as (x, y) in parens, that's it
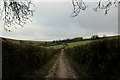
(79, 43)
(97, 60)
(73, 44)
(34, 43)
(82, 42)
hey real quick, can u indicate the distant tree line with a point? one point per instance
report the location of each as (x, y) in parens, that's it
(58, 42)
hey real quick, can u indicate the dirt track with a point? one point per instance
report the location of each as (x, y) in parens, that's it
(61, 68)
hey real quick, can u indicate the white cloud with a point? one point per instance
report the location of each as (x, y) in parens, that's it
(52, 21)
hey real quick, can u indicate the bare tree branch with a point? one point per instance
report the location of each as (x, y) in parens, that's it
(105, 5)
(78, 5)
(16, 12)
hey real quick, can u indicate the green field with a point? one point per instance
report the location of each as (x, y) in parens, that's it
(72, 44)
(57, 46)
(41, 43)
(79, 43)
(35, 43)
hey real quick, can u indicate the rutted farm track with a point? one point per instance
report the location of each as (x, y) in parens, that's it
(61, 68)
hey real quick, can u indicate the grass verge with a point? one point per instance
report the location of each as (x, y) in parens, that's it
(43, 71)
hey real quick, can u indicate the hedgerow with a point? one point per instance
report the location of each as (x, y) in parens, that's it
(100, 59)
(21, 59)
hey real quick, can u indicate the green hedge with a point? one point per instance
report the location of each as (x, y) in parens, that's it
(21, 59)
(100, 59)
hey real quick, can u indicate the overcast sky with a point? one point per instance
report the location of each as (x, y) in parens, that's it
(53, 21)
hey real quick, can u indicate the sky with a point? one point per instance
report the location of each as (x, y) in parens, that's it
(53, 21)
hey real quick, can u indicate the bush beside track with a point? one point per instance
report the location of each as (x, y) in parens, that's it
(21, 59)
(100, 60)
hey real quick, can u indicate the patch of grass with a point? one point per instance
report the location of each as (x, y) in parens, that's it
(73, 44)
(79, 43)
(56, 47)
